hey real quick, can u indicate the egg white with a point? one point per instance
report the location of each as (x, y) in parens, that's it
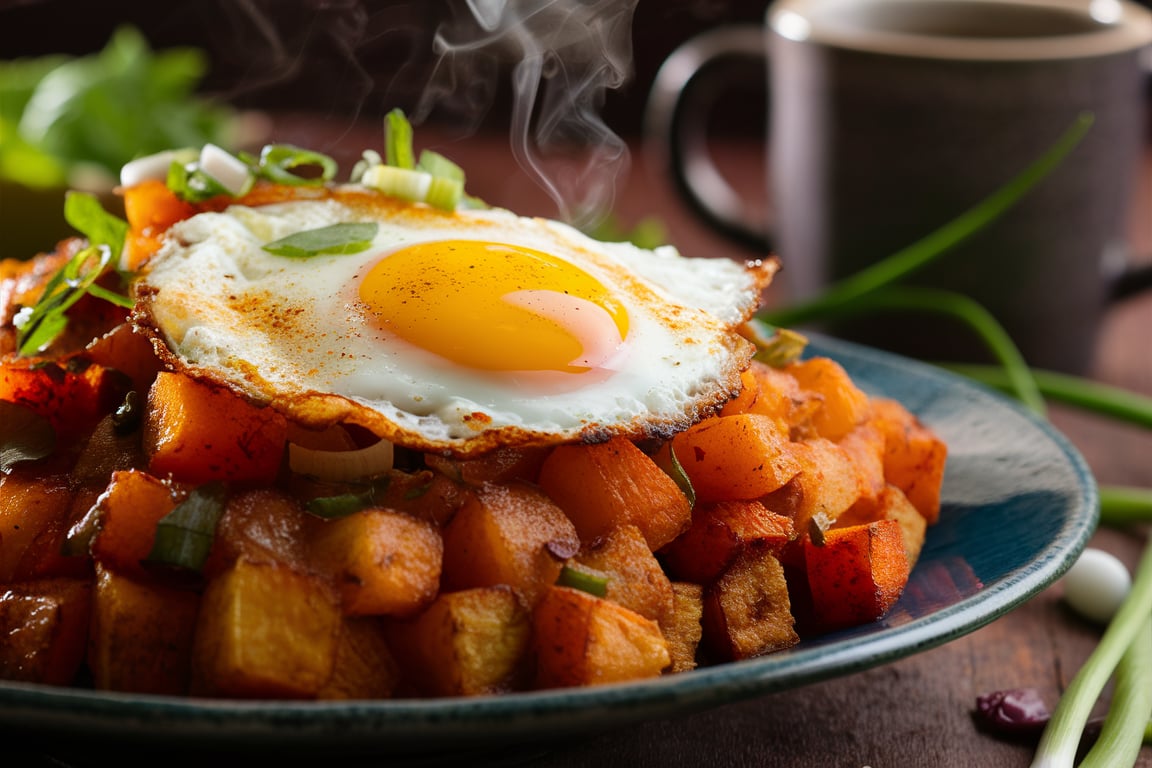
(292, 333)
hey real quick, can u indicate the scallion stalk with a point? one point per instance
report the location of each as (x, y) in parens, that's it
(1130, 709)
(1057, 748)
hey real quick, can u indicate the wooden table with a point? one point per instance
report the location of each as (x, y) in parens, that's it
(914, 712)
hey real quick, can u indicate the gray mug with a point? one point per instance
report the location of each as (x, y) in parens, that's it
(889, 118)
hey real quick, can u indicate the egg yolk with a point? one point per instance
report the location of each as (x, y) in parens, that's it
(496, 307)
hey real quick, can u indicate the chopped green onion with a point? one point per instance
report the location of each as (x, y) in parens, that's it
(404, 183)
(184, 536)
(188, 182)
(278, 162)
(440, 166)
(675, 470)
(333, 239)
(444, 193)
(1057, 748)
(331, 507)
(398, 140)
(784, 346)
(129, 415)
(592, 583)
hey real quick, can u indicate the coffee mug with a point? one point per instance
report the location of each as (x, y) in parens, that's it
(890, 118)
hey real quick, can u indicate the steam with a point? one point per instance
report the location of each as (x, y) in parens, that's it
(564, 55)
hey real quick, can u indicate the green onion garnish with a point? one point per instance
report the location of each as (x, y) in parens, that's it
(680, 477)
(184, 536)
(592, 583)
(398, 141)
(342, 505)
(334, 239)
(279, 161)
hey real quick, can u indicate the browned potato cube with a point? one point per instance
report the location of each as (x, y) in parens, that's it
(747, 610)
(635, 579)
(684, 629)
(365, 667)
(385, 563)
(44, 624)
(825, 488)
(720, 531)
(467, 643)
(914, 456)
(581, 639)
(508, 534)
(842, 404)
(33, 522)
(265, 630)
(892, 504)
(141, 637)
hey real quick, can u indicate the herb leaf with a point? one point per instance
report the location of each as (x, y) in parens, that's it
(87, 216)
(334, 239)
(278, 161)
(38, 326)
(184, 536)
(24, 435)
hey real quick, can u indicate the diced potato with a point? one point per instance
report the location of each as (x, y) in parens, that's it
(141, 635)
(775, 393)
(261, 524)
(865, 448)
(842, 404)
(914, 456)
(501, 465)
(467, 643)
(265, 630)
(738, 457)
(365, 667)
(44, 624)
(635, 578)
(34, 518)
(384, 563)
(684, 629)
(130, 352)
(826, 486)
(747, 611)
(509, 534)
(605, 485)
(197, 433)
(857, 574)
(894, 505)
(720, 531)
(128, 512)
(581, 639)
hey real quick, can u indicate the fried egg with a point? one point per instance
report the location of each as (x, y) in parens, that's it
(453, 332)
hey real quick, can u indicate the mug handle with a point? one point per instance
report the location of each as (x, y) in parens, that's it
(675, 123)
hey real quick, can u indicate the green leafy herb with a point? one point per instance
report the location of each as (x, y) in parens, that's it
(189, 182)
(592, 583)
(333, 239)
(87, 216)
(24, 435)
(62, 116)
(184, 536)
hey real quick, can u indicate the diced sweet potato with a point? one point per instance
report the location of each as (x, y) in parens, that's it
(865, 448)
(581, 639)
(384, 563)
(684, 628)
(141, 635)
(773, 392)
(265, 630)
(747, 610)
(44, 624)
(150, 208)
(72, 397)
(826, 485)
(365, 667)
(635, 578)
(34, 519)
(197, 433)
(892, 504)
(128, 512)
(914, 456)
(509, 534)
(842, 404)
(605, 485)
(125, 350)
(466, 643)
(501, 465)
(857, 574)
(738, 457)
(720, 531)
(106, 450)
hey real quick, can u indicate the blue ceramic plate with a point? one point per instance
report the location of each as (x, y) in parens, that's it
(1019, 505)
